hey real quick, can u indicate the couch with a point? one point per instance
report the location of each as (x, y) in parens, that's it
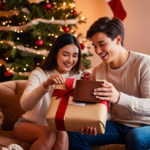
(10, 111)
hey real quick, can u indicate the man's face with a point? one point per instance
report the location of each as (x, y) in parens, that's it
(107, 49)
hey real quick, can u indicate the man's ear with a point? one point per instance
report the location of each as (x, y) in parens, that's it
(118, 40)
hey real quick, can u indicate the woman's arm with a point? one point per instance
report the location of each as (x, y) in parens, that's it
(34, 91)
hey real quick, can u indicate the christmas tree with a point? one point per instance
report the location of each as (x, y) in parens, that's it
(28, 29)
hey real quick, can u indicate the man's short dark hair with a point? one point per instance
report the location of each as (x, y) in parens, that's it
(112, 27)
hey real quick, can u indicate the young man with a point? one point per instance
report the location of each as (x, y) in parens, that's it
(128, 89)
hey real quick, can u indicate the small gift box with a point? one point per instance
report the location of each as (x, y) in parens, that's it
(65, 115)
(85, 87)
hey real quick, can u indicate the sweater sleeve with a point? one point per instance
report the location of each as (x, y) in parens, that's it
(140, 106)
(34, 91)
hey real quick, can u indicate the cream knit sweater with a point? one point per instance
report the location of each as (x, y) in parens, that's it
(133, 82)
(36, 99)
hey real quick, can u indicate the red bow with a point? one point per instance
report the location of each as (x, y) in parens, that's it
(64, 95)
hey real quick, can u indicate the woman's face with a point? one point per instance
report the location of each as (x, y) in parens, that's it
(67, 58)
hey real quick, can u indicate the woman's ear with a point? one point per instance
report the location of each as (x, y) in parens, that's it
(118, 40)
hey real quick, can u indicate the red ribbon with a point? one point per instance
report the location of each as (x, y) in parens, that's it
(105, 103)
(64, 95)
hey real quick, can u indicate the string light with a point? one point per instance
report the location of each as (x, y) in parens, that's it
(27, 65)
(73, 5)
(0, 64)
(64, 3)
(43, 57)
(83, 18)
(6, 58)
(3, 23)
(25, 69)
(17, 38)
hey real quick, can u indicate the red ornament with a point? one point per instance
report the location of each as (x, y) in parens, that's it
(66, 29)
(82, 46)
(47, 6)
(5, 54)
(39, 43)
(74, 13)
(33, 18)
(2, 6)
(7, 73)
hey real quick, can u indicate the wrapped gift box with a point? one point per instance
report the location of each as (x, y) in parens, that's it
(65, 115)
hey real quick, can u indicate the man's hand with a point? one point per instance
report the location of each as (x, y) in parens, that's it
(107, 92)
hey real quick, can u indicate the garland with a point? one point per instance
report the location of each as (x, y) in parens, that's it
(26, 49)
(37, 21)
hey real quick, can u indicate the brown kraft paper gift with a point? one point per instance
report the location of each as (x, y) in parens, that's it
(76, 116)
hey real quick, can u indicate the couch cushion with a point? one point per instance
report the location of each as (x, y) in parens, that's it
(10, 93)
(5, 140)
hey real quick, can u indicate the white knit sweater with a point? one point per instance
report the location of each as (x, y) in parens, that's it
(133, 82)
(36, 99)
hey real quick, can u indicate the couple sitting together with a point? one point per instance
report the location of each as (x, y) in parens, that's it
(127, 89)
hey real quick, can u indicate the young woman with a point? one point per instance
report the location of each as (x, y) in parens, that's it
(62, 62)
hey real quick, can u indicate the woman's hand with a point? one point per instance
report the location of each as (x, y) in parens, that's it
(54, 79)
(107, 92)
(89, 131)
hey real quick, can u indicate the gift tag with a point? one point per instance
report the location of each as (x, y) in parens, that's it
(71, 102)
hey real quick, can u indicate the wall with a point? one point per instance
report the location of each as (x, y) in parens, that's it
(137, 22)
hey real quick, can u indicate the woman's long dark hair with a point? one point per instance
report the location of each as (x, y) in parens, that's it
(50, 62)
